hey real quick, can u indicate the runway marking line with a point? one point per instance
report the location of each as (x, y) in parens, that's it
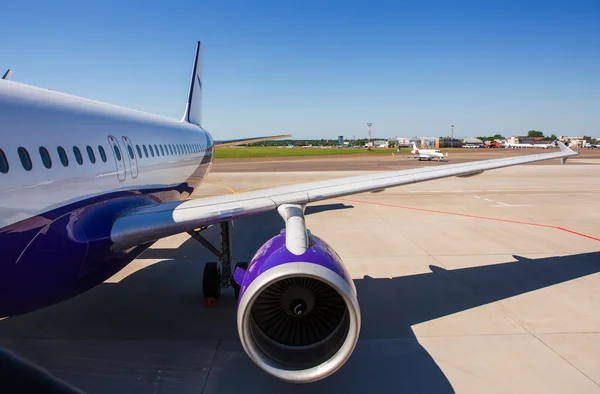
(221, 186)
(233, 191)
(474, 217)
(497, 202)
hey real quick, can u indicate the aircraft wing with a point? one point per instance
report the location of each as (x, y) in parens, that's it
(250, 140)
(151, 222)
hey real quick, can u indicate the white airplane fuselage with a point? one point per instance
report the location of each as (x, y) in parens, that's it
(426, 154)
(519, 146)
(55, 222)
(544, 146)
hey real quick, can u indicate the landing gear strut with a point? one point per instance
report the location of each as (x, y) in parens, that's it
(215, 277)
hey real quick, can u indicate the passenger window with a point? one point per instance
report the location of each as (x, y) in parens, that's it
(171, 149)
(102, 153)
(3, 162)
(139, 151)
(162, 151)
(145, 151)
(179, 148)
(156, 150)
(91, 154)
(64, 159)
(45, 157)
(166, 149)
(130, 152)
(117, 152)
(78, 156)
(151, 150)
(25, 159)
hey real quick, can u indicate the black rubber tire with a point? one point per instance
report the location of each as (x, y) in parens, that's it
(236, 287)
(211, 281)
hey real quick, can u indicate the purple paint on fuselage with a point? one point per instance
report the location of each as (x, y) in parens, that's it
(54, 256)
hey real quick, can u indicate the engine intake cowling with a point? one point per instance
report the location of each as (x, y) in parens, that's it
(298, 316)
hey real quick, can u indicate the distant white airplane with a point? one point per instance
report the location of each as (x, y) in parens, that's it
(427, 154)
(508, 145)
(545, 146)
(85, 187)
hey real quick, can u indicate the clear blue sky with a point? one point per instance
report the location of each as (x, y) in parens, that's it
(324, 68)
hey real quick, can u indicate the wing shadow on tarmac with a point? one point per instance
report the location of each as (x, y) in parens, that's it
(119, 336)
(313, 209)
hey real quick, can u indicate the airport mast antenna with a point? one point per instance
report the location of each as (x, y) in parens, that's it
(369, 141)
(452, 135)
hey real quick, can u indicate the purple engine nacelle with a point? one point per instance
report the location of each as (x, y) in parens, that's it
(298, 315)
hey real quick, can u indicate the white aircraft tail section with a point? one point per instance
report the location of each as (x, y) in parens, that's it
(193, 108)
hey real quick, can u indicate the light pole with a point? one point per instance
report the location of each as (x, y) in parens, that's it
(369, 141)
(452, 135)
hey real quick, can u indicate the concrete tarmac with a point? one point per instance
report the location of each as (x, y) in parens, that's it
(468, 285)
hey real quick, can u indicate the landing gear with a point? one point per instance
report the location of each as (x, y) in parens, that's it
(236, 287)
(211, 284)
(216, 278)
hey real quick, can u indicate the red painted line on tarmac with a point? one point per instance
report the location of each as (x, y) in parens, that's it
(473, 217)
(576, 233)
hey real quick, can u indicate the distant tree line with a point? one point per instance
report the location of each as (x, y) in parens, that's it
(363, 142)
(493, 138)
(322, 142)
(530, 134)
